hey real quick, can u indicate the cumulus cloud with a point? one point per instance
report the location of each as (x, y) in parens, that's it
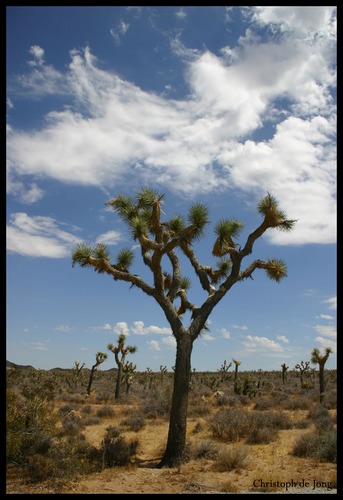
(109, 238)
(153, 345)
(139, 329)
(224, 332)
(332, 303)
(325, 342)
(326, 330)
(204, 142)
(121, 327)
(255, 343)
(38, 236)
(169, 342)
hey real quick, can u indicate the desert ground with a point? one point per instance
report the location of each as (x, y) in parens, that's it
(266, 468)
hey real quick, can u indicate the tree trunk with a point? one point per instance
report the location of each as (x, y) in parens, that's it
(321, 383)
(174, 454)
(119, 377)
(90, 381)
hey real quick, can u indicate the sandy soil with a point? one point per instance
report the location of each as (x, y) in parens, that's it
(268, 463)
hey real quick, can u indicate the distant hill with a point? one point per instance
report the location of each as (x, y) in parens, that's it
(9, 364)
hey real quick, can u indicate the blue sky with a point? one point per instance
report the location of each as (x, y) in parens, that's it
(217, 105)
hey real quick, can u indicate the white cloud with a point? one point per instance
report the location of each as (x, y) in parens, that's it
(326, 330)
(204, 135)
(240, 327)
(181, 13)
(255, 343)
(118, 32)
(283, 339)
(140, 329)
(153, 345)
(303, 21)
(224, 332)
(325, 342)
(206, 336)
(121, 327)
(325, 316)
(332, 303)
(38, 236)
(169, 341)
(109, 238)
(62, 328)
(38, 55)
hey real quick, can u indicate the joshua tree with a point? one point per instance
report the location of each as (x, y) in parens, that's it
(224, 369)
(163, 370)
(128, 371)
(237, 363)
(321, 360)
(99, 358)
(284, 369)
(303, 368)
(160, 242)
(120, 352)
(76, 373)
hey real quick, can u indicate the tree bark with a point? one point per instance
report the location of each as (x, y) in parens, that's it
(90, 381)
(176, 444)
(119, 377)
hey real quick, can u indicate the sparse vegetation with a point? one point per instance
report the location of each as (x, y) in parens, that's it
(56, 436)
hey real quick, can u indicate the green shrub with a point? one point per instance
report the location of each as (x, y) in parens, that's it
(116, 450)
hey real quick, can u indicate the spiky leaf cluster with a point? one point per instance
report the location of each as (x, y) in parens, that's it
(268, 207)
(226, 230)
(276, 269)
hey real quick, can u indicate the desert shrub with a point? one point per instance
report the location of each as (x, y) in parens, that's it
(320, 446)
(232, 457)
(269, 419)
(297, 403)
(135, 422)
(234, 424)
(87, 409)
(263, 404)
(157, 403)
(40, 468)
(71, 427)
(116, 450)
(198, 428)
(198, 407)
(65, 409)
(229, 425)
(203, 449)
(92, 420)
(105, 411)
(72, 456)
(301, 424)
(30, 427)
(330, 399)
(318, 411)
(229, 486)
(262, 435)
(104, 396)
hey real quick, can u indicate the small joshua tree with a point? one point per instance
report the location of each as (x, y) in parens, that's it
(128, 371)
(237, 363)
(120, 352)
(223, 370)
(321, 360)
(303, 368)
(99, 358)
(76, 374)
(284, 369)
